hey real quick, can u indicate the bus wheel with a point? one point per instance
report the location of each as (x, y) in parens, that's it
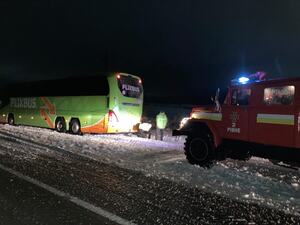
(11, 119)
(60, 125)
(199, 150)
(75, 126)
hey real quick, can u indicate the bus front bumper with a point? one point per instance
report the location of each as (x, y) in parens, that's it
(145, 127)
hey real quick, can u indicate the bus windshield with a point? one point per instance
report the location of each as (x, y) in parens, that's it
(130, 86)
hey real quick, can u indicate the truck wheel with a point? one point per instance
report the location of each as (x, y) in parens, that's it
(75, 126)
(60, 125)
(200, 150)
(11, 119)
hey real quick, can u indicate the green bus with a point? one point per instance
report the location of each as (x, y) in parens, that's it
(115, 106)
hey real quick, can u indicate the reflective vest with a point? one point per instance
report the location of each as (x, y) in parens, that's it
(161, 120)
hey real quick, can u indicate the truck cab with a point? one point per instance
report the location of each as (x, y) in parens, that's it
(258, 117)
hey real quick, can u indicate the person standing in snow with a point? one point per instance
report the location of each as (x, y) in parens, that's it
(161, 123)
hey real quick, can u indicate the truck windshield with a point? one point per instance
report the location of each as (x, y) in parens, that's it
(240, 97)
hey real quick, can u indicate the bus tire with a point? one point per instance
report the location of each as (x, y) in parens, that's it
(11, 119)
(200, 150)
(75, 127)
(60, 125)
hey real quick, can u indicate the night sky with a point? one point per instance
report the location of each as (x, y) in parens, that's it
(183, 50)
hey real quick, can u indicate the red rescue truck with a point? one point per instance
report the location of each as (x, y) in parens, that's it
(258, 117)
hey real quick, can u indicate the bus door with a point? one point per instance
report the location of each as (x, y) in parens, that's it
(235, 115)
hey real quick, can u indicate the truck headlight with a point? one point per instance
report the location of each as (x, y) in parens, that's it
(184, 121)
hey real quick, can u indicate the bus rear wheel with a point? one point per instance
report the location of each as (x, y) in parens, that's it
(11, 119)
(75, 127)
(60, 125)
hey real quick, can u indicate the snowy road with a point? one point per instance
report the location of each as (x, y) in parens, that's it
(24, 204)
(150, 182)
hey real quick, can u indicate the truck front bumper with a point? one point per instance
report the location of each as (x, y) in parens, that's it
(179, 132)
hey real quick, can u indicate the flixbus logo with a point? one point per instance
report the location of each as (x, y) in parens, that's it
(23, 103)
(127, 87)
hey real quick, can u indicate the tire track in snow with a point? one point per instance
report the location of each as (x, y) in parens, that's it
(86, 205)
(42, 163)
(233, 173)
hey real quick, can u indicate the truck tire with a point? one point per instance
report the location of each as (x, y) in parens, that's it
(199, 150)
(60, 125)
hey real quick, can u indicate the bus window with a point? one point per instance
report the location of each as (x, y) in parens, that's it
(130, 86)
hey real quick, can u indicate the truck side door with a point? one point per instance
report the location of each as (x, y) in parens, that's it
(235, 114)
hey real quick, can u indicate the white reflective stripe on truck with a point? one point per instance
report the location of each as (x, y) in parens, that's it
(275, 119)
(207, 116)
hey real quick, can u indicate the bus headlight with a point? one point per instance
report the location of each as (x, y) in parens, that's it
(145, 126)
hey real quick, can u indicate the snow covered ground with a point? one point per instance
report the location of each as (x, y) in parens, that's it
(257, 180)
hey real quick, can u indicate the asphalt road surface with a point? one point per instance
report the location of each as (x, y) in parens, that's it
(39, 188)
(24, 203)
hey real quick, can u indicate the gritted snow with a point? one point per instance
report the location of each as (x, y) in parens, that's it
(256, 180)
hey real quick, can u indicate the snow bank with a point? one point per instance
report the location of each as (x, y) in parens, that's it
(256, 181)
